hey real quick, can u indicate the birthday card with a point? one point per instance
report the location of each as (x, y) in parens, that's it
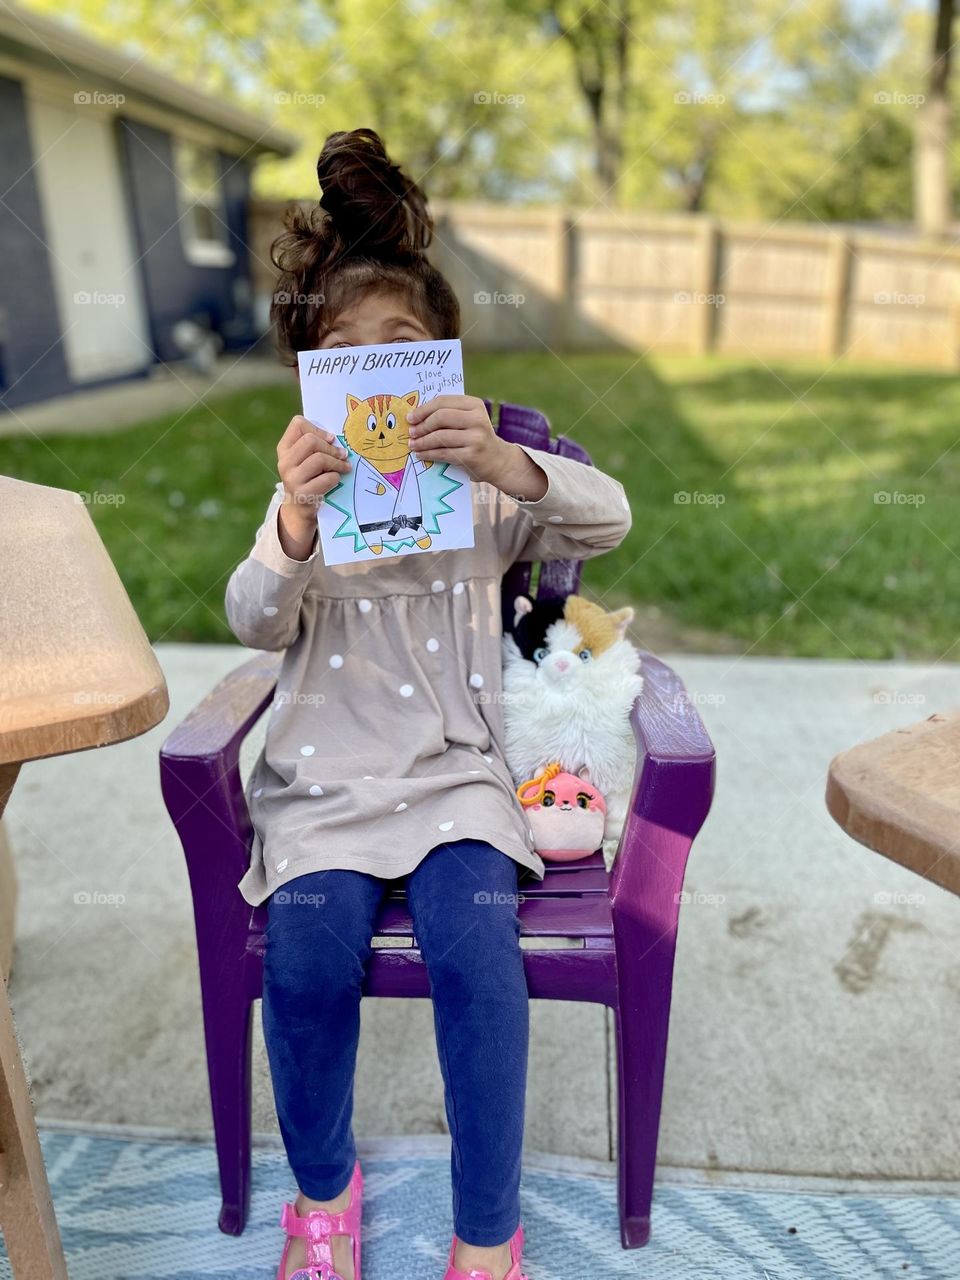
(390, 503)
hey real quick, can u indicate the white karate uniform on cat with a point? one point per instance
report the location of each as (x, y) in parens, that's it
(385, 513)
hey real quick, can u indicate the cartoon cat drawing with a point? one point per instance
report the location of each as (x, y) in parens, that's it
(386, 486)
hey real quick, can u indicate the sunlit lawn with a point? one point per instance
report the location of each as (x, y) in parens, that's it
(782, 543)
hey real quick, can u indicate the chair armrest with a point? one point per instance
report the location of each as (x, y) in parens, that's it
(200, 767)
(673, 788)
(217, 726)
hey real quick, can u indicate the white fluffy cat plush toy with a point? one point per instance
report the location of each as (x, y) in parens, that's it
(570, 678)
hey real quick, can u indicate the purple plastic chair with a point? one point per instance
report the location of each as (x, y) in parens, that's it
(626, 921)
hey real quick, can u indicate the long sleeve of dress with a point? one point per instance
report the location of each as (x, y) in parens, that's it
(265, 591)
(583, 513)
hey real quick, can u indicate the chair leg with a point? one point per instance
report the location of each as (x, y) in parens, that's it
(642, 1018)
(636, 1131)
(229, 1030)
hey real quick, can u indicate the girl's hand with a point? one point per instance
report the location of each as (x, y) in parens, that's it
(310, 463)
(458, 429)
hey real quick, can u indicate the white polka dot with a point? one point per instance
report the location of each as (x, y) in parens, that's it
(316, 790)
(432, 645)
(444, 826)
(474, 771)
(336, 661)
(554, 519)
(458, 588)
(476, 680)
(437, 586)
(307, 751)
(258, 793)
(368, 777)
(282, 866)
(364, 606)
(406, 691)
(270, 610)
(626, 504)
(400, 807)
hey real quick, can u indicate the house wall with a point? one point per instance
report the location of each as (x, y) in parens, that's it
(32, 361)
(176, 288)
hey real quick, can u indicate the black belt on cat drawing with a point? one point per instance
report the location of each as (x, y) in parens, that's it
(393, 526)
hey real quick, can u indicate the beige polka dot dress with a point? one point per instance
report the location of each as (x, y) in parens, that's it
(385, 738)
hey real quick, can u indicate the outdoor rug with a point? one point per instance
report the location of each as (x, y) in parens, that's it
(147, 1210)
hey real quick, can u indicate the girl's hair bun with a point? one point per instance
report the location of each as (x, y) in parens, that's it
(376, 210)
(367, 233)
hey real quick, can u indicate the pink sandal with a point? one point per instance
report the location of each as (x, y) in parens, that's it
(317, 1228)
(516, 1258)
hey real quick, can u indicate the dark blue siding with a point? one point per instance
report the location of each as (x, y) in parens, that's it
(173, 287)
(32, 360)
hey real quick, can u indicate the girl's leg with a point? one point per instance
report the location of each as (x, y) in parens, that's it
(317, 944)
(463, 899)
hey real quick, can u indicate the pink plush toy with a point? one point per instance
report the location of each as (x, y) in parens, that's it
(566, 814)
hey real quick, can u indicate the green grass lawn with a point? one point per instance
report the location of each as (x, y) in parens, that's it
(782, 544)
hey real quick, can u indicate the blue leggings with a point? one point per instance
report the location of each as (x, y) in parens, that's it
(462, 898)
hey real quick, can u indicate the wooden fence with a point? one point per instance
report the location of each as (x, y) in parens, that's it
(554, 278)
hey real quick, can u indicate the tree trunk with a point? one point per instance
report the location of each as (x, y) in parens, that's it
(932, 202)
(600, 43)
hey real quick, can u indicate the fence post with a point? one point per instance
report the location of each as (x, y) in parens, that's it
(705, 315)
(838, 295)
(564, 285)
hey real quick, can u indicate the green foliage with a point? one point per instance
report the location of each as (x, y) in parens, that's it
(758, 110)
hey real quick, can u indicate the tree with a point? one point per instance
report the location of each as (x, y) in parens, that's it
(465, 98)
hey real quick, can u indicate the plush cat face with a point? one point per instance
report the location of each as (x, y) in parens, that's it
(573, 645)
(376, 429)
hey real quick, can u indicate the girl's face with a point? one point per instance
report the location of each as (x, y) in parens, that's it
(375, 318)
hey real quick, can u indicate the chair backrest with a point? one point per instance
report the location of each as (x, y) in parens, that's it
(557, 578)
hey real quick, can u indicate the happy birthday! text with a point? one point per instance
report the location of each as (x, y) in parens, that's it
(347, 362)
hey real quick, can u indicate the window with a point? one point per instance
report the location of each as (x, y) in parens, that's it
(203, 224)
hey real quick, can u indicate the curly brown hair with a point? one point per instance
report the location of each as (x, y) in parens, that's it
(368, 232)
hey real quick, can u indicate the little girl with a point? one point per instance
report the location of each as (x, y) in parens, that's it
(384, 750)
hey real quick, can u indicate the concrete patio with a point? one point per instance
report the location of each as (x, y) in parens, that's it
(814, 1033)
